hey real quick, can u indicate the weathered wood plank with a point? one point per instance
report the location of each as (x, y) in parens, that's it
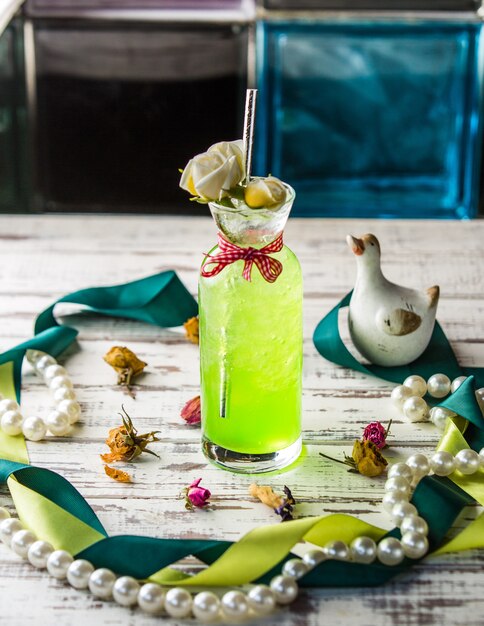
(42, 258)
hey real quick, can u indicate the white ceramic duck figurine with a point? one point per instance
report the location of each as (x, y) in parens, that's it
(390, 325)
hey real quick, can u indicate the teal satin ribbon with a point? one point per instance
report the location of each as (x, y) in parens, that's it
(438, 357)
(162, 300)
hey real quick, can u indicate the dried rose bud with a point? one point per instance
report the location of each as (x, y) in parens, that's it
(196, 496)
(191, 327)
(191, 412)
(368, 459)
(125, 443)
(376, 433)
(126, 364)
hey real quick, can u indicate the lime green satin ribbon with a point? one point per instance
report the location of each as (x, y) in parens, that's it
(52, 508)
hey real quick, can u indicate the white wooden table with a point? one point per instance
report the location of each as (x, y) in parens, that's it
(42, 258)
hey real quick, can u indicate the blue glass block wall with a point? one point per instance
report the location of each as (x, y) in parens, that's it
(371, 118)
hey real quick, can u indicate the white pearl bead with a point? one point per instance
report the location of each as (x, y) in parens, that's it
(417, 385)
(11, 423)
(58, 562)
(71, 408)
(467, 461)
(398, 483)
(79, 572)
(402, 470)
(234, 604)
(414, 545)
(21, 542)
(399, 395)
(363, 550)
(8, 405)
(439, 415)
(58, 423)
(391, 498)
(415, 409)
(415, 524)
(8, 528)
(52, 371)
(206, 607)
(43, 363)
(64, 393)
(337, 550)
(442, 463)
(60, 381)
(438, 386)
(314, 557)
(34, 428)
(401, 510)
(295, 568)
(419, 464)
(178, 602)
(125, 591)
(261, 599)
(151, 598)
(481, 456)
(101, 583)
(285, 589)
(33, 355)
(4, 514)
(390, 551)
(39, 552)
(480, 398)
(456, 383)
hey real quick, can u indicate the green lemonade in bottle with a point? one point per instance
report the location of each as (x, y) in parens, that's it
(251, 348)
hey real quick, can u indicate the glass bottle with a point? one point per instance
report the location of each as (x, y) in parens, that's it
(251, 348)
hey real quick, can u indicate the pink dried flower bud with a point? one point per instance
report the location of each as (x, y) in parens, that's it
(191, 412)
(196, 496)
(376, 433)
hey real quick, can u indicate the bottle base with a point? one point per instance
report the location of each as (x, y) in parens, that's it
(244, 463)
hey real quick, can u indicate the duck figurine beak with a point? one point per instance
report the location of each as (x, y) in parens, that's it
(357, 245)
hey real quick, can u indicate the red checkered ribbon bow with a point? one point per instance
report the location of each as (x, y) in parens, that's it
(229, 253)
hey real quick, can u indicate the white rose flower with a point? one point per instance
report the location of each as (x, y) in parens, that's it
(211, 174)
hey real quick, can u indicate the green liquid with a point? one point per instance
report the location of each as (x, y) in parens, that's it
(251, 357)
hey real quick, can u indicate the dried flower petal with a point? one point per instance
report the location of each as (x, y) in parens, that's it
(191, 412)
(376, 433)
(266, 495)
(283, 506)
(125, 443)
(191, 327)
(116, 474)
(125, 362)
(196, 496)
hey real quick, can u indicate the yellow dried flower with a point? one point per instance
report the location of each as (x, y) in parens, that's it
(125, 443)
(125, 362)
(191, 329)
(368, 458)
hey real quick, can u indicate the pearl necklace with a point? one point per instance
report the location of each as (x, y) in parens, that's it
(408, 398)
(283, 589)
(260, 599)
(58, 422)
